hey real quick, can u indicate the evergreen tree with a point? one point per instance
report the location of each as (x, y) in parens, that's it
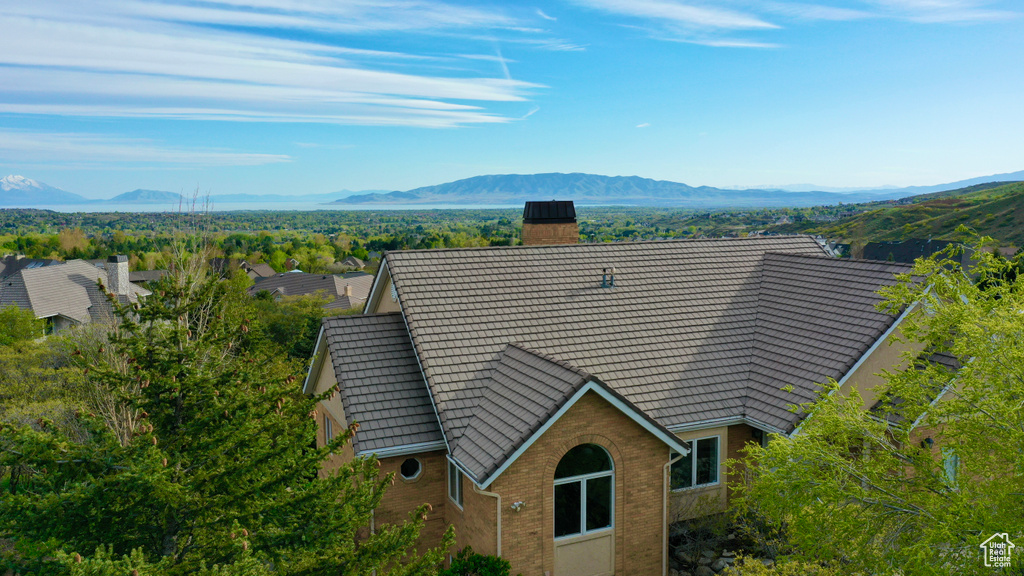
(221, 469)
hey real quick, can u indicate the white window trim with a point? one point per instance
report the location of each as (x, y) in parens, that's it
(693, 466)
(583, 501)
(460, 484)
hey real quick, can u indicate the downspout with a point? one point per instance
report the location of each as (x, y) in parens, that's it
(664, 514)
(497, 498)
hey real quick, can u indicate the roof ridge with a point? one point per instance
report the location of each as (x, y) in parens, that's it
(839, 260)
(619, 243)
(549, 357)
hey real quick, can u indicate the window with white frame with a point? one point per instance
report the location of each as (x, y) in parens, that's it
(584, 491)
(699, 467)
(328, 429)
(455, 484)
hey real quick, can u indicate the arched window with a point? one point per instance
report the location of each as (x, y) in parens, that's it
(584, 491)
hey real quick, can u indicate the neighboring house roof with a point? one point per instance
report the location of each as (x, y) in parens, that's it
(694, 332)
(68, 290)
(261, 270)
(11, 264)
(381, 384)
(332, 285)
(146, 275)
(353, 262)
(908, 250)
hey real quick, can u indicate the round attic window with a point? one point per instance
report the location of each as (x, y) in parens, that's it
(410, 469)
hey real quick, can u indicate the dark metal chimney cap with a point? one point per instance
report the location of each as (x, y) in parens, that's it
(119, 258)
(550, 212)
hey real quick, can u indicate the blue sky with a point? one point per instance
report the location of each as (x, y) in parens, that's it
(309, 96)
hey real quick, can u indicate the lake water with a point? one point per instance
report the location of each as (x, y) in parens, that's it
(254, 206)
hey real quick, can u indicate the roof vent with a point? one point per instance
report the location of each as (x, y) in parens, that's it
(608, 277)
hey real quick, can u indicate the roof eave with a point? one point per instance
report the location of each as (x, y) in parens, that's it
(613, 398)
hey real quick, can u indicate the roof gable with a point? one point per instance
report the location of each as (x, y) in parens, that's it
(382, 388)
(527, 391)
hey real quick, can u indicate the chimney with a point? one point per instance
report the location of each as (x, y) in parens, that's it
(117, 275)
(553, 222)
(348, 290)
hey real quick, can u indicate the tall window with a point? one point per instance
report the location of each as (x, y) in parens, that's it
(699, 467)
(455, 484)
(584, 486)
(328, 428)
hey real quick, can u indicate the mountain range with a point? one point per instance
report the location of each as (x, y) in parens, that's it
(502, 190)
(514, 189)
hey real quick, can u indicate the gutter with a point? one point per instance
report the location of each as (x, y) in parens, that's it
(664, 513)
(497, 498)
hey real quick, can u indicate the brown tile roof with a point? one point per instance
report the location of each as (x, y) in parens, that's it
(67, 289)
(261, 270)
(693, 330)
(381, 384)
(332, 285)
(524, 389)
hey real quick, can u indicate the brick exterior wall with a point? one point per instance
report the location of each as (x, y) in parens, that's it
(528, 535)
(428, 488)
(739, 436)
(548, 234)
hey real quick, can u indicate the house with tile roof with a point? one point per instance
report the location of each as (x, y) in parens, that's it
(69, 294)
(344, 291)
(560, 405)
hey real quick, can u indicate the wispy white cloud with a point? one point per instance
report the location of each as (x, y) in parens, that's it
(681, 13)
(643, 125)
(730, 23)
(175, 59)
(545, 16)
(938, 11)
(22, 146)
(530, 112)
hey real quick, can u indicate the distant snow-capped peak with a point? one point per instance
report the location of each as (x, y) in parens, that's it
(14, 182)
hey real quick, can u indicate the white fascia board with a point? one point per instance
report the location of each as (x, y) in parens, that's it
(863, 358)
(673, 442)
(308, 386)
(726, 421)
(374, 297)
(404, 450)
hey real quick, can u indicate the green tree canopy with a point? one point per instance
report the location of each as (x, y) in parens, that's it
(219, 469)
(916, 487)
(18, 325)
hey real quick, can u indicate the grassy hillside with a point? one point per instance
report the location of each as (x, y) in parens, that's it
(996, 211)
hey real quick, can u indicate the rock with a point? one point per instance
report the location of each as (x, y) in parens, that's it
(719, 565)
(705, 561)
(683, 557)
(731, 536)
(730, 561)
(673, 572)
(684, 573)
(728, 554)
(703, 571)
(708, 554)
(768, 563)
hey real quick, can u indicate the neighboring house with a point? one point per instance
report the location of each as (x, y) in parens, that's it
(258, 271)
(143, 277)
(292, 264)
(12, 263)
(344, 290)
(68, 294)
(908, 250)
(561, 405)
(353, 262)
